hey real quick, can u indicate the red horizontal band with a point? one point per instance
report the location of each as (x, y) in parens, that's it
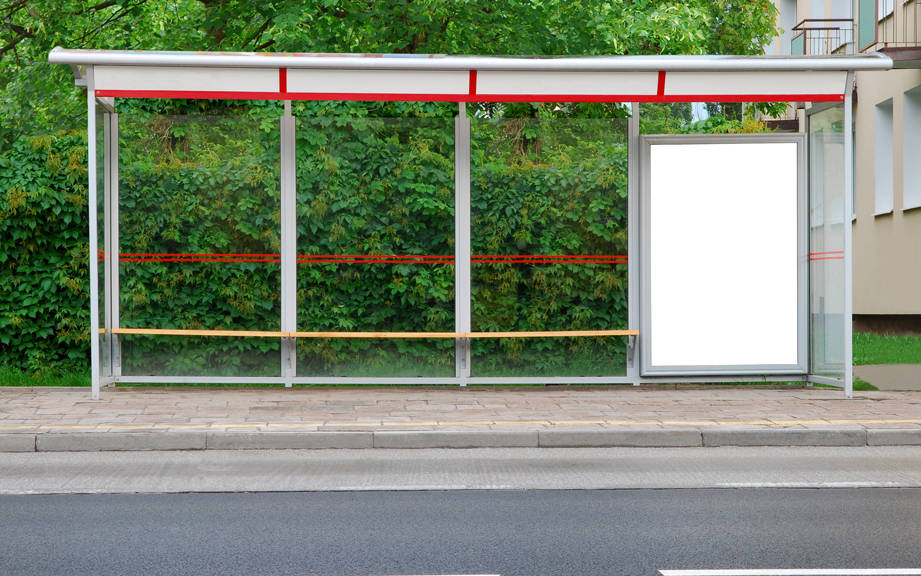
(826, 253)
(396, 97)
(228, 260)
(375, 258)
(813, 259)
(375, 261)
(152, 254)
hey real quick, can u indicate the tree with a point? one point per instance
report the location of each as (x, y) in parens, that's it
(36, 96)
(42, 114)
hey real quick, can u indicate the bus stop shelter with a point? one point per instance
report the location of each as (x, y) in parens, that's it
(736, 248)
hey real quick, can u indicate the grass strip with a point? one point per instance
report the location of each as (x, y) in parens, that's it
(872, 348)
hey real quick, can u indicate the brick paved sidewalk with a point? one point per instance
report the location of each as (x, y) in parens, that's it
(363, 409)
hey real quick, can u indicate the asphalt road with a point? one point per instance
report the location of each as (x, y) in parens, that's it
(527, 533)
(522, 468)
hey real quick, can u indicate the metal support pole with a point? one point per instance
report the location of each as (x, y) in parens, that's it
(633, 241)
(93, 240)
(848, 233)
(288, 247)
(462, 291)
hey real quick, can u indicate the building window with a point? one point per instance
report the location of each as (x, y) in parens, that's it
(911, 149)
(884, 8)
(882, 158)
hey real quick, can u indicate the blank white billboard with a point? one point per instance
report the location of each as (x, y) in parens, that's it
(723, 273)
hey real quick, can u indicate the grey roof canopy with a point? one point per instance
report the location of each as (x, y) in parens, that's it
(397, 77)
(467, 78)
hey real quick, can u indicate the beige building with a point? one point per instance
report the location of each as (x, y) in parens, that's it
(887, 129)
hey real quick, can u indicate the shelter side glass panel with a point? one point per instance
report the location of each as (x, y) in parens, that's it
(199, 242)
(375, 245)
(826, 242)
(103, 138)
(549, 244)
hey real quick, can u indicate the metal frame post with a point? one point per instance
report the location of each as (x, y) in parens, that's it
(848, 233)
(92, 200)
(633, 242)
(288, 246)
(462, 291)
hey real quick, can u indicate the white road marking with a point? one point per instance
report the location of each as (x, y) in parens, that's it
(798, 572)
(810, 485)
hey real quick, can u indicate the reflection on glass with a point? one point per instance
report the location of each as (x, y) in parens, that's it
(702, 117)
(199, 241)
(549, 244)
(375, 244)
(826, 242)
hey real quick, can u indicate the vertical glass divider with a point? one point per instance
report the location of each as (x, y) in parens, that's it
(633, 241)
(848, 232)
(107, 285)
(113, 302)
(288, 246)
(93, 207)
(462, 291)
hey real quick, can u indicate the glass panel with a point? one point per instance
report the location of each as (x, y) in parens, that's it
(199, 242)
(105, 339)
(798, 45)
(702, 118)
(826, 242)
(867, 23)
(375, 244)
(549, 244)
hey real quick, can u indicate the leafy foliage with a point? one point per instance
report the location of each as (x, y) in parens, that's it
(187, 187)
(43, 218)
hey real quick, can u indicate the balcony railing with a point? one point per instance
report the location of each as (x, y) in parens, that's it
(889, 25)
(817, 37)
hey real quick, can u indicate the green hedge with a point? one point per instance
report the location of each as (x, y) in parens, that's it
(366, 185)
(44, 301)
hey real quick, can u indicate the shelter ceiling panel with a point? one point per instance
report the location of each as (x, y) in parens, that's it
(755, 83)
(186, 79)
(312, 81)
(539, 83)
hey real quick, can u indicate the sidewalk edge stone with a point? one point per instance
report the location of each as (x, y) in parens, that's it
(635, 438)
(785, 437)
(456, 439)
(118, 441)
(288, 440)
(17, 442)
(894, 437)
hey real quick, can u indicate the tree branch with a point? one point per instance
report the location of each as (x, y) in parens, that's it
(102, 5)
(258, 33)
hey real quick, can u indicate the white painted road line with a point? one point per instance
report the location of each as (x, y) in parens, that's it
(798, 572)
(886, 484)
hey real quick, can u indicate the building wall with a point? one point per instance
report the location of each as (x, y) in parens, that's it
(887, 247)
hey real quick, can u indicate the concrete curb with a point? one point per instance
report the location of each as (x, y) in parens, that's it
(456, 439)
(785, 437)
(634, 438)
(894, 437)
(287, 440)
(416, 439)
(109, 441)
